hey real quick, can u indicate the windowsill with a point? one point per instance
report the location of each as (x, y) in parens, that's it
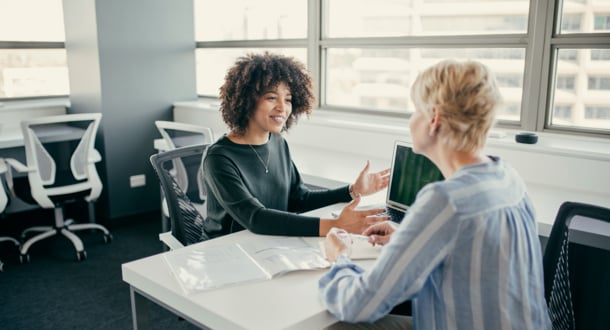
(9, 105)
(548, 143)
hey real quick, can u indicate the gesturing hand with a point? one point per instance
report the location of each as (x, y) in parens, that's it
(355, 221)
(369, 183)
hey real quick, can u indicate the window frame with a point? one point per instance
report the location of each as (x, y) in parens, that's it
(541, 43)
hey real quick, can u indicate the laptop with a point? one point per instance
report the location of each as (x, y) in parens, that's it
(410, 173)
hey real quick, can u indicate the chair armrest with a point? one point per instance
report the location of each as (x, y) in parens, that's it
(95, 156)
(168, 239)
(17, 165)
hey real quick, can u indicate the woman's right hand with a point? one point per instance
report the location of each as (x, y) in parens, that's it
(380, 233)
(356, 221)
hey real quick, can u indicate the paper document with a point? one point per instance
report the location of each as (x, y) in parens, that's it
(260, 258)
(360, 248)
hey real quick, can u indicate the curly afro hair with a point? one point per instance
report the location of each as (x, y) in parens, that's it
(251, 76)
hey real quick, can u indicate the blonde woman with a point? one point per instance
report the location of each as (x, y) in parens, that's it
(467, 253)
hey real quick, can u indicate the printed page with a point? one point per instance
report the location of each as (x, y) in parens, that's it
(211, 267)
(278, 255)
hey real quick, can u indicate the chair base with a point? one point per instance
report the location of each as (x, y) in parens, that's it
(65, 228)
(8, 239)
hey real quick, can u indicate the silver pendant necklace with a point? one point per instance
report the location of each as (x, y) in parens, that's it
(266, 165)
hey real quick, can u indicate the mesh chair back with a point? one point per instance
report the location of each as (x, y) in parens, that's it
(187, 223)
(43, 168)
(177, 135)
(567, 273)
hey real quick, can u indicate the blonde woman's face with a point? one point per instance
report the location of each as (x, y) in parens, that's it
(419, 126)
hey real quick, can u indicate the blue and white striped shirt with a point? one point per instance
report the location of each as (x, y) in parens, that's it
(467, 254)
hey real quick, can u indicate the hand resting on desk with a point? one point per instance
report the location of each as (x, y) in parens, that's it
(380, 233)
(355, 246)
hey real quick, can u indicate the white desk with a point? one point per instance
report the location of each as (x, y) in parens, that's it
(49, 133)
(288, 301)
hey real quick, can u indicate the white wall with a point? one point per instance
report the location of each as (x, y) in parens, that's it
(331, 148)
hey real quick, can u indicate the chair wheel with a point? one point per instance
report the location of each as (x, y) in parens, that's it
(107, 238)
(24, 258)
(81, 255)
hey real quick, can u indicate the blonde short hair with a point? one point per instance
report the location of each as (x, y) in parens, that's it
(466, 96)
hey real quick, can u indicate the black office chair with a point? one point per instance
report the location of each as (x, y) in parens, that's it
(576, 276)
(186, 220)
(176, 135)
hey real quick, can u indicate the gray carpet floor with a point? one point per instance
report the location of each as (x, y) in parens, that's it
(54, 291)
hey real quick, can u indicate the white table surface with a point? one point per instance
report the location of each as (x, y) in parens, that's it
(49, 133)
(288, 301)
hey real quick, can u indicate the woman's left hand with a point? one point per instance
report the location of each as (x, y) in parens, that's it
(336, 243)
(370, 183)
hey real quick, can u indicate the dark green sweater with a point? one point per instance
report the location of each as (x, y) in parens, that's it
(241, 195)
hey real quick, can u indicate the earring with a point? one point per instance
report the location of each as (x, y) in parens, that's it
(430, 133)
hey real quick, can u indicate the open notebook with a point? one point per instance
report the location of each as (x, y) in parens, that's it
(410, 173)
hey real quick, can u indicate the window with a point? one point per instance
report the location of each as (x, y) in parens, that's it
(600, 83)
(232, 28)
(602, 23)
(580, 61)
(365, 54)
(378, 79)
(597, 112)
(566, 83)
(32, 54)
(563, 112)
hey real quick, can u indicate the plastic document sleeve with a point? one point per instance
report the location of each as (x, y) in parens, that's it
(207, 267)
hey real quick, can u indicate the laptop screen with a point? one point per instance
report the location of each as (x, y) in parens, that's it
(410, 173)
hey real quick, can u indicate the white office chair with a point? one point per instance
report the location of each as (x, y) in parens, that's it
(52, 186)
(177, 135)
(3, 203)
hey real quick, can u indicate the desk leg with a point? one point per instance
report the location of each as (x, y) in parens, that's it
(139, 310)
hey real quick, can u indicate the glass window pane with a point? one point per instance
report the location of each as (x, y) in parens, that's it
(250, 20)
(31, 20)
(376, 18)
(578, 16)
(585, 104)
(213, 63)
(33, 72)
(380, 79)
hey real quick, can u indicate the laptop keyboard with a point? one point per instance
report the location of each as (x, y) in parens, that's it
(394, 214)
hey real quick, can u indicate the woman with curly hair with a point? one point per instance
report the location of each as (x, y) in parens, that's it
(250, 177)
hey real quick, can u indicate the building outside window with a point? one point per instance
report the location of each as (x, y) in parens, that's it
(32, 51)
